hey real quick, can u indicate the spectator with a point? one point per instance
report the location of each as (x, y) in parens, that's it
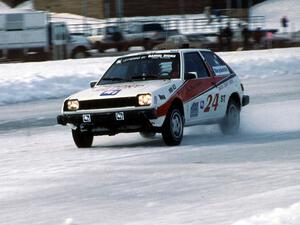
(284, 23)
(228, 36)
(245, 35)
(207, 13)
(220, 38)
(257, 37)
(269, 39)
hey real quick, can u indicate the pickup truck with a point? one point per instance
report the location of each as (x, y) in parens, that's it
(145, 34)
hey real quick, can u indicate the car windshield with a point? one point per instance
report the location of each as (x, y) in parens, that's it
(143, 67)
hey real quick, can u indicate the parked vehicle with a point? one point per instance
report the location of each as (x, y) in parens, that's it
(157, 92)
(108, 37)
(173, 42)
(28, 33)
(145, 34)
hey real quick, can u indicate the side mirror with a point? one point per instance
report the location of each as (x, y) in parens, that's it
(93, 83)
(190, 75)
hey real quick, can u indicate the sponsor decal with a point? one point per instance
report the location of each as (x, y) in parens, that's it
(110, 92)
(125, 86)
(162, 56)
(194, 109)
(202, 104)
(131, 86)
(225, 84)
(223, 97)
(162, 97)
(150, 56)
(133, 58)
(221, 70)
(173, 88)
(155, 100)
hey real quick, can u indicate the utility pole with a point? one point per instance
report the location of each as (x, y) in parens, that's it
(119, 10)
(85, 9)
(250, 3)
(228, 7)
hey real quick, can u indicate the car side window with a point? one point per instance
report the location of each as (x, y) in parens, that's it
(217, 65)
(194, 64)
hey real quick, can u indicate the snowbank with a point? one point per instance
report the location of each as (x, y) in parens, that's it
(26, 5)
(279, 216)
(264, 63)
(22, 82)
(3, 6)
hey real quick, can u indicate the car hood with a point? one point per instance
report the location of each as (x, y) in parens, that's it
(120, 90)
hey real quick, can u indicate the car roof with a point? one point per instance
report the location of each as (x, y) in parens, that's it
(166, 51)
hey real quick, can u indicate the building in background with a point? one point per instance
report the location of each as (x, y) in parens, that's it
(130, 8)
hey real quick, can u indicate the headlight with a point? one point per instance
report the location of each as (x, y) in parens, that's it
(144, 99)
(73, 105)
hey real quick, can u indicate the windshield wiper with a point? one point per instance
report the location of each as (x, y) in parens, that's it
(112, 78)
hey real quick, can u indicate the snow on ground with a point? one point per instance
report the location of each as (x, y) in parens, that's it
(249, 179)
(274, 10)
(279, 216)
(54, 79)
(209, 179)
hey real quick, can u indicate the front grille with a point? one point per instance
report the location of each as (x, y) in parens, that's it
(108, 103)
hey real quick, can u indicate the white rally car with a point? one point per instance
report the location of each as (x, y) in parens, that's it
(157, 92)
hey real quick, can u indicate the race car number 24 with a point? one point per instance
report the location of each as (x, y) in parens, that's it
(212, 102)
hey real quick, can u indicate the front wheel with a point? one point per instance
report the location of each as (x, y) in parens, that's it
(172, 130)
(82, 139)
(231, 121)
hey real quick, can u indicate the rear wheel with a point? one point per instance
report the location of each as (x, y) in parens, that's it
(172, 130)
(82, 139)
(231, 122)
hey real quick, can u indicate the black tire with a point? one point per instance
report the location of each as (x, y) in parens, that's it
(79, 54)
(172, 130)
(99, 47)
(147, 134)
(148, 45)
(120, 48)
(82, 139)
(231, 122)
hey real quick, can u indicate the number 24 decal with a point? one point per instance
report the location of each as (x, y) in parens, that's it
(212, 102)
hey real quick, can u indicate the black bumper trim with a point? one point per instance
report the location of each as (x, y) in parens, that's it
(108, 120)
(246, 100)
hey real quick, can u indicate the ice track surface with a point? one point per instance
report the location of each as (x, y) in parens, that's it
(249, 179)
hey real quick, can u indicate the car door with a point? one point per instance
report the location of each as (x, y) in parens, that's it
(200, 93)
(223, 78)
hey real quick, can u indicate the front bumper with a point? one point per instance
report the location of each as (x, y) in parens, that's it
(110, 122)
